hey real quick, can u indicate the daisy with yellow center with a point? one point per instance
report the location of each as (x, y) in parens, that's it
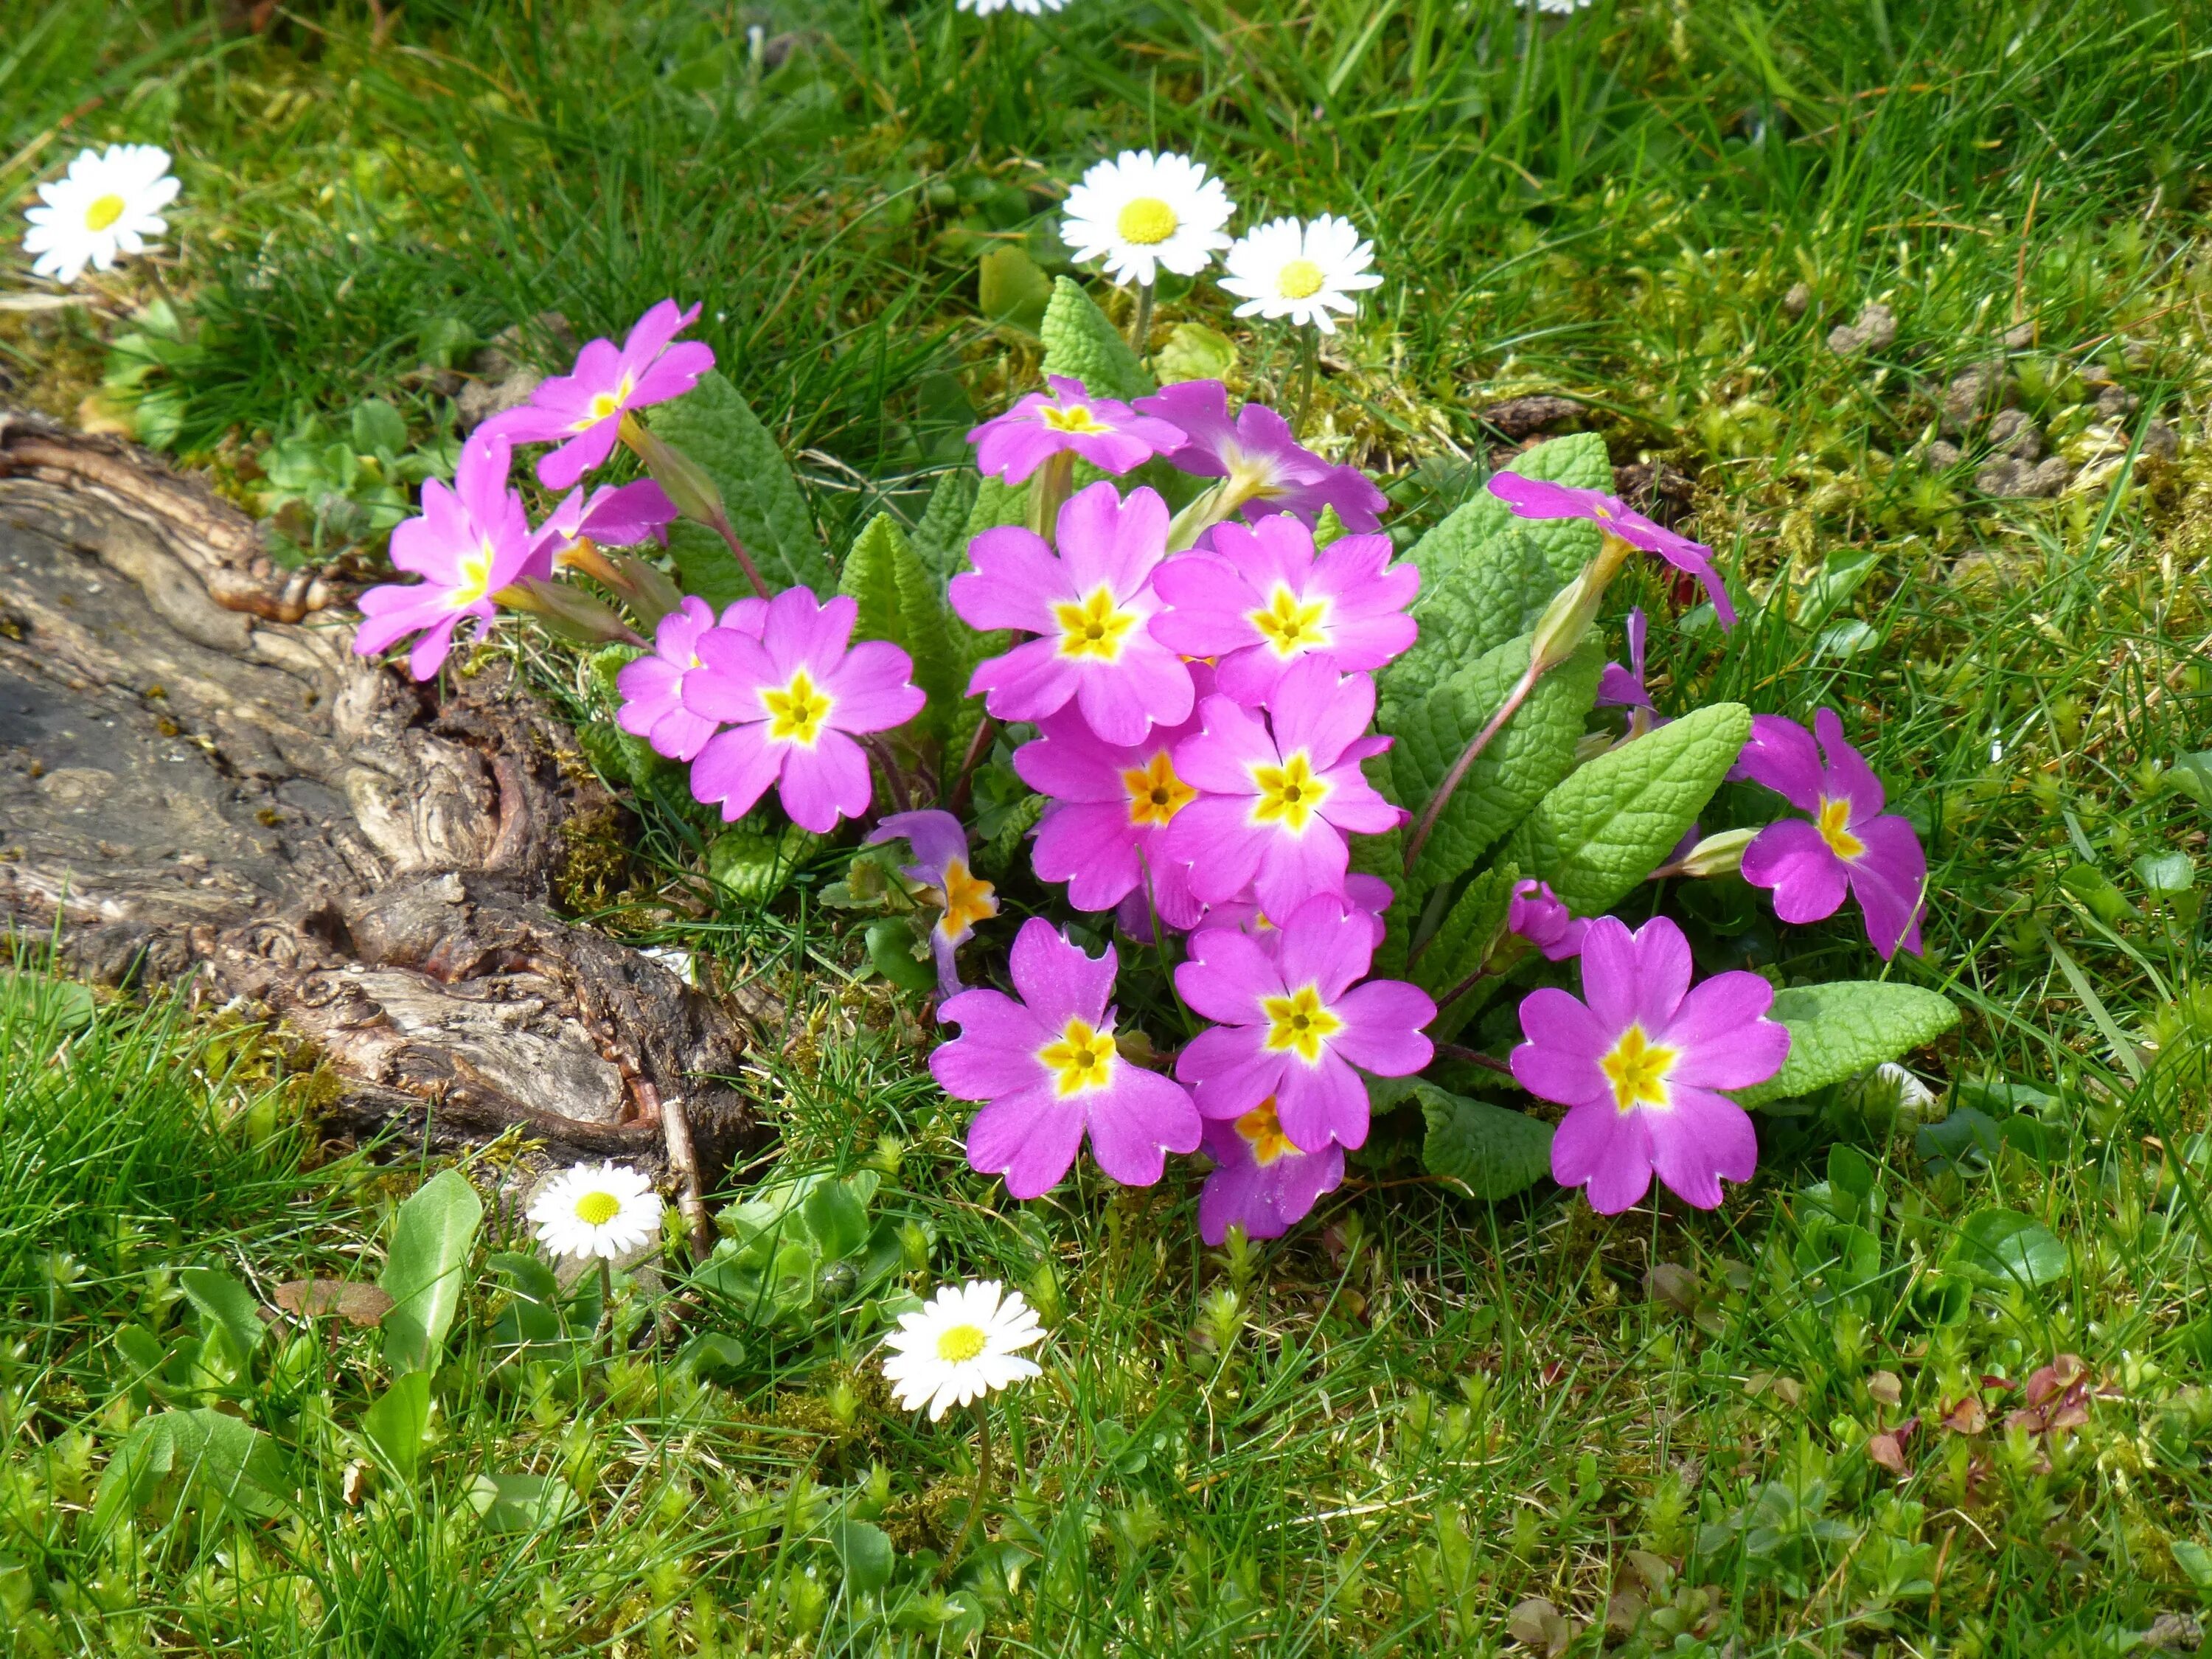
(1142, 213)
(1304, 272)
(601, 1210)
(963, 1344)
(107, 205)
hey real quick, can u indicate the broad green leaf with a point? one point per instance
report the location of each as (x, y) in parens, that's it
(754, 862)
(225, 1304)
(1384, 855)
(1329, 527)
(1566, 544)
(1469, 605)
(2003, 1248)
(1490, 1151)
(837, 1219)
(1079, 342)
(1459, 945)
(398, 1423)
(379, 429)
(1845, 1027)
(1533, 750)
(713, 1357)
(520, 1503)
(714, 425)
(423, 1270)
(997, 505)
(865, 1551)
(1012, 288)
(38, 996)
(205, 1451)
(1195, 352)
(940, 540)
(532, 1316)
(901, 603)
(890, 949)
(1604, 829)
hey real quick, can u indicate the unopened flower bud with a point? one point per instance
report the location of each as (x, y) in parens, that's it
(1566, 621)
(569, 612)
(688, 484)
(1716, 855)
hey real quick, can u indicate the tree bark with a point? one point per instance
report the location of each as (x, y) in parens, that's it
(198, 776)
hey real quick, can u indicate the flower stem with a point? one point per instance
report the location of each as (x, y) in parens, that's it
(893, 778)
(1141, 330)
(1465, 763)
(964, 780)
(607, 1307)
(744, 559)
(1472, 1057)
(982, 1488)
(1308, 362)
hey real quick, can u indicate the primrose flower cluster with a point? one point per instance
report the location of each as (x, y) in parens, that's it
(1192, 694)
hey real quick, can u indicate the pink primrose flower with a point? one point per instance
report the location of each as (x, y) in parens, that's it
(581, 411)
(1044, 1063)
(470, 540)
(613, 515)
(1262, 598)
(789, 698)
(1276, 796)
(652, 687)
(1267, 465)
(1534, 912)
(1539, 498)
(1069, 420)
(1640, 1065)
(1292, 1022)
(940, 862)
(1089, 605)
(1364, 895)
(1261, 1181)
(1851, 840)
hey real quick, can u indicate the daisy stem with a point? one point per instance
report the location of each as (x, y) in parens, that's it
(1465, 763)
(982, 1488)
(1309, 361)
(1141, 330)
(607, 1307)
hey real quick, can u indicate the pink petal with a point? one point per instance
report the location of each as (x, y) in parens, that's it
(1323, 1103)
(1605, 1151)
(1790, 858)
(1014, 583)
(1382, 1028)
(996, 1052)
(1136, 1119)
(1030, 1138)
(1699, 1139)
(735, 770)
(1890, 879)
(1227, 977)
(1726, 1039)
(872, 689)
(1057, 980)
(826, 782)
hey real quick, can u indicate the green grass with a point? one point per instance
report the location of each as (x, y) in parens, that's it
(1383, 1433)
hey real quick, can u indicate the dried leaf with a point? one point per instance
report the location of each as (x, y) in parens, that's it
(1885, 1387)
(317, 1299)
(1536, 1623)
(1624, 1612)
(1656, 1571)
(1967, 1416)
(1883, 1449)
(1674, 1284)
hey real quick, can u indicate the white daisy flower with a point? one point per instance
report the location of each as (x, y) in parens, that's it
(959, 1346)
(108, 204)
(1140, 212)
(1027, 8)
(1561, 8)
(1284, 268)
(604, 1211)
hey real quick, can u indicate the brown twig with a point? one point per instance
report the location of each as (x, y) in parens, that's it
(683, 1162)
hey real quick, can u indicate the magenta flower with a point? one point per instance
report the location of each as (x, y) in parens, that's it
(1851, 840)
(1069, 420)
(1539, 498)
(581, 411)
(1277, 796)
(470, 541)
(1262, 599)
(1640, 1065)
(940, 855)
(1267, 469)
(652, 687)
(1046, 1067)
(1088, 605)
(618, 515)
(1292, 1022)
(1111, 806)
(1366, 895)
(1622, 688)
(1261, 1181)
(1534, 912)
(789, 698)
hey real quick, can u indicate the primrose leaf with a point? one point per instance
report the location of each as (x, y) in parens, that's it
(1844, 1027)
(1012, 288)
(754, 862)
(1488, 1151)
(901, 602)
(1458, 946)
(940, 540)
(1080, 342)
(1473, 601)
(1608, 826)
(423, 1271)
(1532, 752)
(714, 425)
(1567, 544)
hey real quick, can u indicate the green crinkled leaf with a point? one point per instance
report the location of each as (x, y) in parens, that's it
(1579, 461)
(1329, 527)
(1534, 752)
(1488, 1151)
(206, 1451)
(425, 1269)
(940, 540)
(1843, 1028)
(1459, 946)
(1384, 855)
(1608, 825)
(1469, 605)
(900, 603)
(1079, 342)
(754, 862)
(714, 425)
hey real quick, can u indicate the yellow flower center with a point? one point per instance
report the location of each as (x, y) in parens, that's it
(1600, 511)
(1145, 221)
(1290, 795)
(1093, 627)
(597, 1209)
(104, 211)
(1299, 1023)
(796, 713)
(968, 899)
(1301, 279)
(1636, 1067)
(1292, 625)
(476, 576)
(1080, 1058)
(1264, 1131)
(1834, 822)
(1155, 793)
(605, 405)
(1076, 418)
(960, 1343)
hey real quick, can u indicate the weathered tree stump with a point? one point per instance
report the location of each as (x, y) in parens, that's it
(197, 775)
